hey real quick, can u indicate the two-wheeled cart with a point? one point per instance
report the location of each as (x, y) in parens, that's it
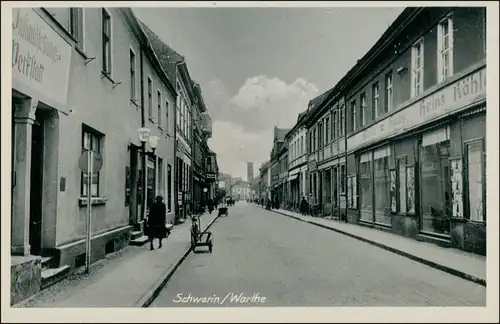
(199, 238)
(223, 208)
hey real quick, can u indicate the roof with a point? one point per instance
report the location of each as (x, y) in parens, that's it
(315, 102)
(280, 133)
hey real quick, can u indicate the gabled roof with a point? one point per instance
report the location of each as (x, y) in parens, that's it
(168, 57)
(315, 102)
(280, 133)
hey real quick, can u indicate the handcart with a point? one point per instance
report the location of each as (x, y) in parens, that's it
(223, 209)
(199, 238)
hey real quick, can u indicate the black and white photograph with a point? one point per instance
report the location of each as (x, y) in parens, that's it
(248, 157)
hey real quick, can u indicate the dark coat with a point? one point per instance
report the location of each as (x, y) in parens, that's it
(156, 220)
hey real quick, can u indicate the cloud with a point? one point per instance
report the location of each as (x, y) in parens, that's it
(244, 122)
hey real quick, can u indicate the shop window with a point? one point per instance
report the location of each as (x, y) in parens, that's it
(475, 175)
(435, 189)
(91, 141)
(401, 176)
(343, 179)
(161, 178)
(382, 188)
(335, 186)
(351, 192)
(365, 187)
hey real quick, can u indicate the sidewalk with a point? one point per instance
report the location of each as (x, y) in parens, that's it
(132, 282)
(466, 265)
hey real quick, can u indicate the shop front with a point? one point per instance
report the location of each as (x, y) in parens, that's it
(421, 172)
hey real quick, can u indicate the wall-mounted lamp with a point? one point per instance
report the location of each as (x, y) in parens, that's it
(153, 142)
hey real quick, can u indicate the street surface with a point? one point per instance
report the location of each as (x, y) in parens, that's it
(261, 258)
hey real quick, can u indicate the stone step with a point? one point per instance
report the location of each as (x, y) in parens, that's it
(139, 241)
(51, 276)
(135, 234)
(47, 262)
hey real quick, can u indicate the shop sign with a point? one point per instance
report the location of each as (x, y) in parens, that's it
(461, 93)
(210, 175)
(40, 57)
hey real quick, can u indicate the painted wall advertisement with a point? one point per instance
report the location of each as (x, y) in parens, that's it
(40, 57)
(467, 90)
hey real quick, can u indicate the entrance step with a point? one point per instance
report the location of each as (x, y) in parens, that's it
(135, 234)
(51, 276)
(47, 262)
(140, 241)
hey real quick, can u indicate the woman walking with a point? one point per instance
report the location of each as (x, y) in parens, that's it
(156, 221)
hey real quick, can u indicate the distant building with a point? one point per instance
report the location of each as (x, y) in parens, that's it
(250, 172)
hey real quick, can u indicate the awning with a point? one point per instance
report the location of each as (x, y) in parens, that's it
(293, 177)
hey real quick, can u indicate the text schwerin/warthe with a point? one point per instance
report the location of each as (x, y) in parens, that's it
(234, 298)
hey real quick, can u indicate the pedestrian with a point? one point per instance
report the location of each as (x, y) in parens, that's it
(303, 206)
(156, 221)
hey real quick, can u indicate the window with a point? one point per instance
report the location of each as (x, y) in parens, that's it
(314, 143)
(106, 42)
(76, 27)
(436, 183)
(445, 49)
(342, 119)
(159, 112)
(327, 130)
(302, 145)
(320, 135)
(475, 157)
(388, 92)
(91, 141)
(375, 93)
(334, 125)
(167, 122)
(342, 179)
(362, 110)
(132, 76)
(353, 115)
(417, 71)
(150, 98)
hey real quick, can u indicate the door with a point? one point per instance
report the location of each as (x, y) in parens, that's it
(35, 228)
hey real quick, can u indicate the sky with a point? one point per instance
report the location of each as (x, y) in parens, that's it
(259, 67)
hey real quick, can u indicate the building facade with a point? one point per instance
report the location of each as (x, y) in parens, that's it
(212, 174)
(264, 181)
(297, 161)
(415, 125)
(90, 89)
(327, 155)
(241, 190)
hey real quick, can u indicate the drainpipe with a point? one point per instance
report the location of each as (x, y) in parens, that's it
(143, 145)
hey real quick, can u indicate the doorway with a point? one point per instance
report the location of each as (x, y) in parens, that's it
(36, 188)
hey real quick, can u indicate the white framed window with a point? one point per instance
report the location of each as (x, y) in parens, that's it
(388, 92)
(133, 86)
(91, 141)
(77, 26)
(159, 111)
(417, 68)
(334, 125)
(375, 94)
(445, 49)
(362, 110)
(150, 98)
(353, 115)
(106, 42)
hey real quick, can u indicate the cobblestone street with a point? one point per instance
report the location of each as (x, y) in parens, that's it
(259, 253)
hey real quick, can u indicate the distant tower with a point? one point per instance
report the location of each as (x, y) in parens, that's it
(249, 172)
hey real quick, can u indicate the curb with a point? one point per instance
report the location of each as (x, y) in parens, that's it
(432, 264)
(151, 295)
